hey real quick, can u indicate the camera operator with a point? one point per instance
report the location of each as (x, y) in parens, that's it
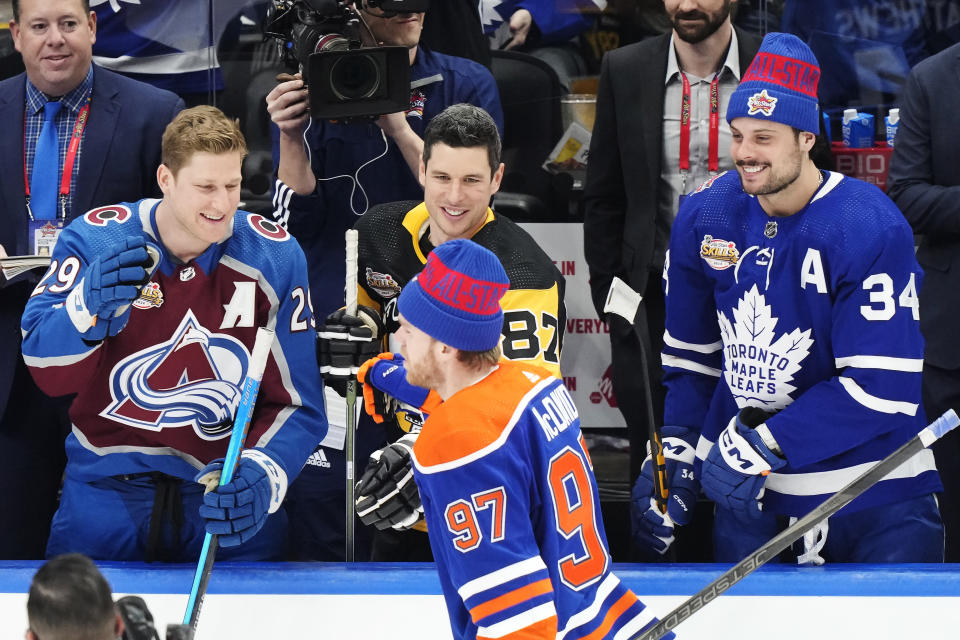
(328, 173)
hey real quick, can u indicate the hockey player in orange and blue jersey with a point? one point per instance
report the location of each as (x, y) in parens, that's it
(507, 485)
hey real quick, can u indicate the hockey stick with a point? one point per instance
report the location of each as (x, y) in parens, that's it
(350, 440)
(241, 424)
(623, 301)
(930, 434)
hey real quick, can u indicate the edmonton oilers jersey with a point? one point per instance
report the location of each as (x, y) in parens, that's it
(812, 317)
(161, 394)
(513, 514)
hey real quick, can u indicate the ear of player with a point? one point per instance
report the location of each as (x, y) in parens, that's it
(654, 530)
(387, 494)
(344, 342)
(237, 510)
(737, 466)
(99, 305)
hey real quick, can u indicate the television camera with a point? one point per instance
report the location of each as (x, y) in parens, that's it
(347, 74)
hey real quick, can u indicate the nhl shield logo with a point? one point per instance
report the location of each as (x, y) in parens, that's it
(382, 283)
(761, 103)
(770, 230)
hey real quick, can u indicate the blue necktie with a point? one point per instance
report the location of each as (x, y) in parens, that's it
(46, 166)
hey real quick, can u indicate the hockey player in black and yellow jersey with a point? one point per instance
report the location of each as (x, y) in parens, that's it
(460, 172)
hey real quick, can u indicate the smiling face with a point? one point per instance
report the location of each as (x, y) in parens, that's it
(457, 187)
(402, 30)
(696, 20)
(55, 38)
(769, 156)
(199, 202)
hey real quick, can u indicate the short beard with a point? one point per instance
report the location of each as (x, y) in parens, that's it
(694, 35)
(777, 183)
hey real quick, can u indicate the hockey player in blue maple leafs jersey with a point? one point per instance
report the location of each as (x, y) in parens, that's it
(157, 361)
(793, 353)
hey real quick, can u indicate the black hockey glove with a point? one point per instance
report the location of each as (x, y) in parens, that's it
(386, 493)
(344, 343)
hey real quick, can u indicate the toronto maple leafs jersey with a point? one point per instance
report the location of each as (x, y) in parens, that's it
(813, 316)
(161, 394)
(513, 514)
(392, 250)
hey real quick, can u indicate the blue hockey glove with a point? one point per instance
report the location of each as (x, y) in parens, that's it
(99, 304)
(679, 452)
(385, 385)
(737, 466)
(345, 342)
(237, 510)
(386, 493)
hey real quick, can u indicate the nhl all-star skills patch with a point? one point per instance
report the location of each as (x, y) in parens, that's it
(382, 283)
(719, 254)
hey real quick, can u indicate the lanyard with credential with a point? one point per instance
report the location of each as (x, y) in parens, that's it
(713, 160)
(68, 162)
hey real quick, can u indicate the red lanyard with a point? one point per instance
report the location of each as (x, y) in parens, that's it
(713, 163)
(68, 162)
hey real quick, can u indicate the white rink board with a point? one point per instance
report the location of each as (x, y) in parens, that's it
(898, 602)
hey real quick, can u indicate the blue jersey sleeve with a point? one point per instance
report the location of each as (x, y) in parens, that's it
(692, 348)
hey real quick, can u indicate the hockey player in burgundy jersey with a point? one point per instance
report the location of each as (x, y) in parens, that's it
(156, 357)
(507, 485)
(793, 352)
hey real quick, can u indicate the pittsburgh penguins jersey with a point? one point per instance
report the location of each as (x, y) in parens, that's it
(513, 514)
(161, 394)
(813, 317)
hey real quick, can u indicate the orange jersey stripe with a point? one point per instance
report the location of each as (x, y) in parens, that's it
(543, 630)
(511, 598)
(621, 605)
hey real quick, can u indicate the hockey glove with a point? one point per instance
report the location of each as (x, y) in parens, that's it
(679, 452)
(385, 387)
(345, 342)
(737, 466)
(236, 511)
(99, 304)
(652, 530)
(386, 493)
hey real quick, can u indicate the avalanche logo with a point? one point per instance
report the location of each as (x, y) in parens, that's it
(761, 103)
(758, 365)
(192, 380)
(104, 215)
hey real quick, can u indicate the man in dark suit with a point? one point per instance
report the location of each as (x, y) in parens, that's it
(925, 184)
(636, 176)
(119, 123)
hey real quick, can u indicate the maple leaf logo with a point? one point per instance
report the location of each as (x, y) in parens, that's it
(758, 365)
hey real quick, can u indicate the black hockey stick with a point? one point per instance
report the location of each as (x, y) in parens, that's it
(241, 424)
(623, 301)
(930, 434)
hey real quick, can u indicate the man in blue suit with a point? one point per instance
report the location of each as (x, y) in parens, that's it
(118, 123)
(925, 184)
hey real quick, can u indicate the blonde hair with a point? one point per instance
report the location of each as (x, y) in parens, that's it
(479, 359)
(196, 130)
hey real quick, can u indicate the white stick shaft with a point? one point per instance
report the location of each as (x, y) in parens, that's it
(350, 440)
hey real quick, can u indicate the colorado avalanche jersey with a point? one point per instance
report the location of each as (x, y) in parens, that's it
(391, 252)
(813, 316)
(161, 394)
(513, 514)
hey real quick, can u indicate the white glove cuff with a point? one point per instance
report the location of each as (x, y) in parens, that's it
(76, 307)
(739, 454)
(275, 473)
